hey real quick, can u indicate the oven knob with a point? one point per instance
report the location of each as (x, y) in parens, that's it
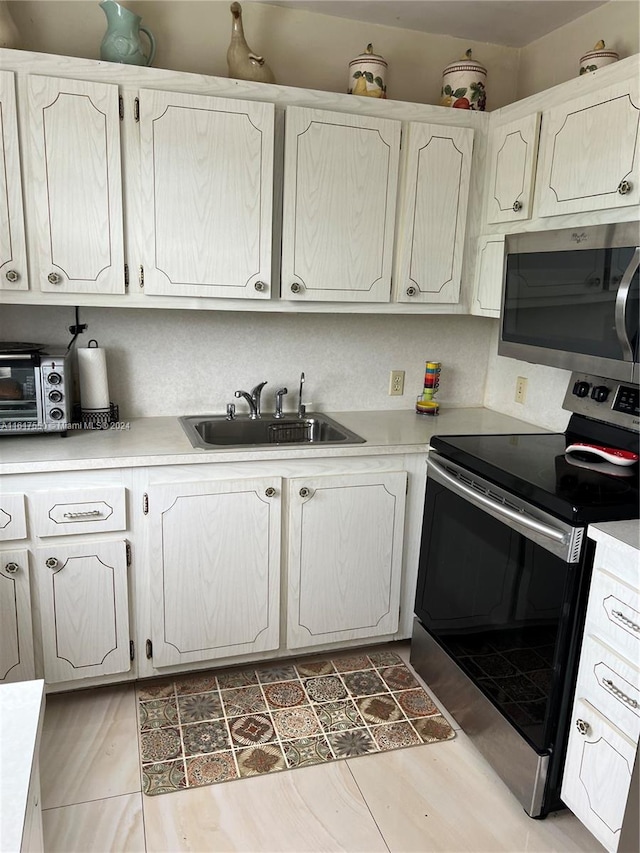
(56, 414)
(600, 393)
(581, 389)
(55, 396)
(54, 378)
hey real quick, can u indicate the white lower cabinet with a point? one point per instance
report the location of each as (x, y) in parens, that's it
(16, 637)
(600, 783)
(344, 557)
(84, 609)
(214, 569)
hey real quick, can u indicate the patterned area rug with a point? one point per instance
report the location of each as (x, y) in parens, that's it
(229, 724)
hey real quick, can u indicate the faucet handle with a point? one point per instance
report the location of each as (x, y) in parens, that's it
(231, 411)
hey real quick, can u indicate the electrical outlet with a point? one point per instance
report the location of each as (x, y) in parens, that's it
(396, 383)
(521, 389)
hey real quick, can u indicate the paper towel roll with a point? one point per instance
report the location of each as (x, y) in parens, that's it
(92, 372)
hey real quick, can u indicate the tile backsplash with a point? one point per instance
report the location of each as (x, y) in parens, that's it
(175, 362)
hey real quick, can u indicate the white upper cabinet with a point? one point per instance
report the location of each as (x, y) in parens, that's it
(487, 292)
(75, 182)
(513, 150)
(340, 180)
(13, 253)
(589, 152)
(433, 213)
(207, 189)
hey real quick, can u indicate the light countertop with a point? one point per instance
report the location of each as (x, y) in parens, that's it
(616, 532)
(21, 715)
(162, 441)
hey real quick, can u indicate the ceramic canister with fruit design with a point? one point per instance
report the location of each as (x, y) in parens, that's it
(368, 75)
(464, 84)
(597, 58)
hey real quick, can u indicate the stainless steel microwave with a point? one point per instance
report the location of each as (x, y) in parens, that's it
(570, 299)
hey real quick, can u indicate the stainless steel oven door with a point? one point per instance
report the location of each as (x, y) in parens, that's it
(497, 602)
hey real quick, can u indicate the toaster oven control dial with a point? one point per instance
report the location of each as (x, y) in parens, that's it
(55, 396)
(600, 393)
(54, 378)
(56, 414)
(581, 389)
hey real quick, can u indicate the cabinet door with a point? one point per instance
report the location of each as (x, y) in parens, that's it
(207, 188)
(433, 213)
(13, 253)
(75, 181)
(13, 521)
(513, 154)
(84, 608)
(16, 637)
(215, 569)
(340, 179)
(345, 557)
(589, 153)
(487, 293)
(597, 774)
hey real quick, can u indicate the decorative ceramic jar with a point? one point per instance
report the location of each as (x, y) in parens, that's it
(368, 75)
(596, 58)
(464, 84)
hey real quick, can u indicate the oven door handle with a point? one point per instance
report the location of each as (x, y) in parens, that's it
(621, 306)
(499, 509)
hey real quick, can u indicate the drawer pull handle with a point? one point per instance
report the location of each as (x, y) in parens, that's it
(89, 513)
(619, 615)
(618, 693)
(583, 727)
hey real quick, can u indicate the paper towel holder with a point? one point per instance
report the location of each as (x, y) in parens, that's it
(98, 418)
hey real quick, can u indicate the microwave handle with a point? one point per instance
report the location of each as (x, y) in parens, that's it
(621, 306)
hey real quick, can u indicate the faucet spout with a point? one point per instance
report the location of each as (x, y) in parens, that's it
(253, 413)
(255, 396)
(301, 407)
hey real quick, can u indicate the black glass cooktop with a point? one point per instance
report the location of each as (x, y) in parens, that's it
(535, 467)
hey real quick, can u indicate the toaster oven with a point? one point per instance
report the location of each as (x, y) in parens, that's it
(35, 389)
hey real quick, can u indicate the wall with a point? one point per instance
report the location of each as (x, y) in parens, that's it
(174, 362)
(555, 58)
(303, 48)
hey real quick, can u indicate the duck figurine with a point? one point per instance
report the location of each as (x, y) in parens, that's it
(242, 62)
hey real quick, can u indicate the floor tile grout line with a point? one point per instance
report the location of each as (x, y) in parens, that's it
(364, 800)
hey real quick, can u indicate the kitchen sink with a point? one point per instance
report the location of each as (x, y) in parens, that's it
(209, 431)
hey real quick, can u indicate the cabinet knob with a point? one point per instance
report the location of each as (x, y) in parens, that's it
(296, 287)
(270, 492)
(305, 492)
(583, 727)
(625, 187)
(54, 278)
(260, 286)
(51, 563)
(12, 275)
(517, 205)
(411, 291)
(11, 568)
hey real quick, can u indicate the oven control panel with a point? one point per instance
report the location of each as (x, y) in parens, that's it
(607, 400)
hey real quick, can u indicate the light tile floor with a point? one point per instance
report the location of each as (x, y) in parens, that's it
(437, 797)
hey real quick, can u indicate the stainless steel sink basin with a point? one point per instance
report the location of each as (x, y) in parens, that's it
(208, 431)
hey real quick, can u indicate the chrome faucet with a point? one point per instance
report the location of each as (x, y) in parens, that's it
(301, 407)
(253, 399)
(279, 395)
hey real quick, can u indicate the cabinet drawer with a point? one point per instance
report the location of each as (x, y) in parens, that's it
(619, 560)
(13, 521)
(597, 773)
(614, 614)
(70, 511)
(611, 684)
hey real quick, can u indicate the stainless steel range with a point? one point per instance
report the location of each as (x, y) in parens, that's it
(504, 572)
